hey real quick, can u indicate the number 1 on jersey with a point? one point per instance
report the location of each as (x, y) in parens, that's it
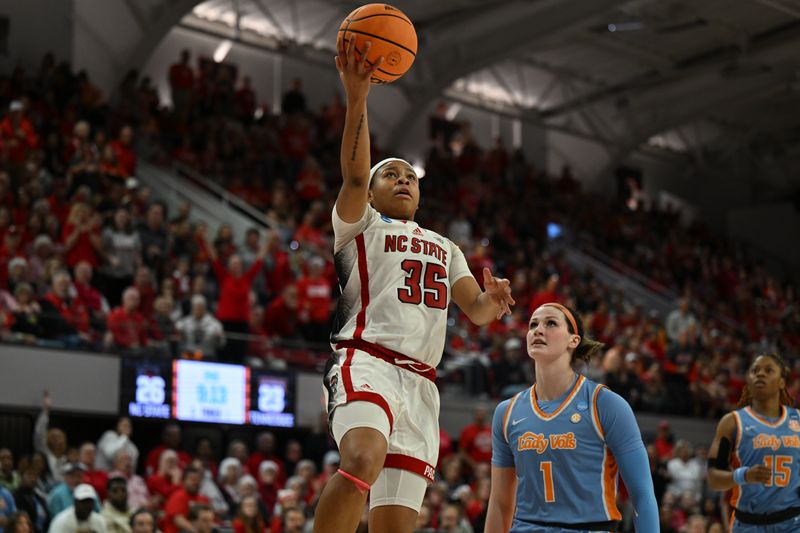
(425, 283)
(547, 473)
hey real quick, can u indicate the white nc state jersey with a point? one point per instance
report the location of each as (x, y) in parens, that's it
(396, 280)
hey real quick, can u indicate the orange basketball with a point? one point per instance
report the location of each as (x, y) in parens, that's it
(392, 36)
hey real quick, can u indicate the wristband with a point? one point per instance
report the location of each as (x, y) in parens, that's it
(738, 475)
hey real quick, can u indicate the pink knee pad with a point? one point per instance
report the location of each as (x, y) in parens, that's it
(362, 486)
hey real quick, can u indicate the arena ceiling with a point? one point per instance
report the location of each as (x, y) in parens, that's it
(676, 75)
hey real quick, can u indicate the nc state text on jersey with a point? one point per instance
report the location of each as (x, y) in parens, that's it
(415, 245)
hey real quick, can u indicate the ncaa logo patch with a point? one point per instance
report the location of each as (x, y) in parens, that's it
(582, 406)
(575, 418)
(386, 219)
(794, 425)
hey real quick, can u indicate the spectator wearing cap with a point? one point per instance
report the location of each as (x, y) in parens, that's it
(116, 512)
(81, 516)
(200, 332)
(128, 329)
(66, 318)
(315, 301)
(113, 441)
(232, 310)
(138, 494)
(176, 510)
(87, 457)
(664, 442)
(62, 495)
(19, 136)
(123, 255)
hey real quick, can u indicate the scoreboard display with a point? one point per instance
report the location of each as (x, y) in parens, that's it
(201, 391)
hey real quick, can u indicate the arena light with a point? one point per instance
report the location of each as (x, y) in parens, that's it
(222, 50)
(419, 169)
(452, 111)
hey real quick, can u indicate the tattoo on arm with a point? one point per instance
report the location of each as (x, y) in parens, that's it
(358, 135)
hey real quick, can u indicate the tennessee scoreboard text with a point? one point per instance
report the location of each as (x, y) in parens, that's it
(200, 391)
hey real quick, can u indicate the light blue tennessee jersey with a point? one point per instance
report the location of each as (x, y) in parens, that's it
(566, 473)
(776, 444)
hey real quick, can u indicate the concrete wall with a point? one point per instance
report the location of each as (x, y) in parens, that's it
(35, 28)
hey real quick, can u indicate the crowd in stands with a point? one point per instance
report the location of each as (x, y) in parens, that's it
(91, 259)
(111, 485)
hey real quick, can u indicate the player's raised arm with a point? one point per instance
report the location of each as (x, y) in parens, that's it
(355, 75)
(482, 307)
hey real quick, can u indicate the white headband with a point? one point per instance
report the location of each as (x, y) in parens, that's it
(374, 170)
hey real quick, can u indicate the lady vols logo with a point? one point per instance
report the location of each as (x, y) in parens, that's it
(794, 425)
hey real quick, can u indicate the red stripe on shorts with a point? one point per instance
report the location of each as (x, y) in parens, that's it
(363, 275)
(362, 396)
(390, 356)
(411, 464)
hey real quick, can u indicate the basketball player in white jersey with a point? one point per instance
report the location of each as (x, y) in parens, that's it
(397, 280)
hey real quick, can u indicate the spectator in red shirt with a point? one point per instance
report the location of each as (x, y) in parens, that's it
(96, 478)
(546, 294)
(170, 440)
(18, 135)
(168, 477)
(277, 269)
(245, 101)
(281, 318)
(87, 295)
(81, 236)
(248, 519)
(265, 451)
(315, 300)
(475, 443)
(123, 149)
(233, 307)
(127, 327)
(67, 320)
(177, 508)
(664, 441)
(143, 282)
(181, 82)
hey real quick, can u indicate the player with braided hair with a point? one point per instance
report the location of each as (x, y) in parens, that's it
(756, 452)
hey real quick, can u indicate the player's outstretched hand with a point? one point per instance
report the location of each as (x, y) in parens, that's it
(758, 474)
(355, 73)
(499, 290)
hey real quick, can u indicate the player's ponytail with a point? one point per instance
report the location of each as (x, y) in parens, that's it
(785, 399)
(587, 348)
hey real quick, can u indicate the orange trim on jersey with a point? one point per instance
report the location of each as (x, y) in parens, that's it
(736, 492)
(595, 414)
(544, 416)
(508, 412)
(363, 275)
(760, 418)
(610, 471)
